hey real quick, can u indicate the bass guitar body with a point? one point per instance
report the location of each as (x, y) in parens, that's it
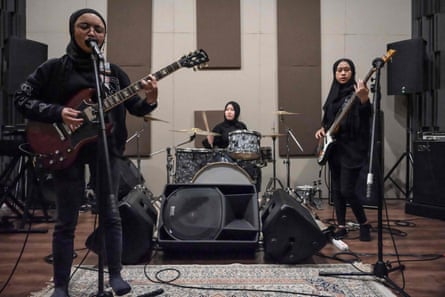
(325, 148)
(56, 144)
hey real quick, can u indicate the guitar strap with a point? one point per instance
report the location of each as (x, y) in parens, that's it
(105, 73)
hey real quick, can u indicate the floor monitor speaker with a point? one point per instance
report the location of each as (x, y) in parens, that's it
(138, 224)
(203, 216)
(290, 232)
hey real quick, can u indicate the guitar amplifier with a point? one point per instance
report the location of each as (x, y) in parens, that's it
(428, 180)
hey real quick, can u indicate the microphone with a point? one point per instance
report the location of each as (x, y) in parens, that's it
(92, 43)
(154, 293)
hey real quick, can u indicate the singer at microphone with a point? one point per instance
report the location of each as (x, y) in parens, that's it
(92, 43)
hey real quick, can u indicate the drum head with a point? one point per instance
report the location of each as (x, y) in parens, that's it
(222, 173)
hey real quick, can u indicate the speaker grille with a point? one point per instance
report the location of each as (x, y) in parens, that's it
(186, 213)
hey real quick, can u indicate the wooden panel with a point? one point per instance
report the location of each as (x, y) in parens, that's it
(219, 32)
(299, 72)
(129, 41)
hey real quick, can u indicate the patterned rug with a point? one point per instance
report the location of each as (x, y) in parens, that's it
(235, 280)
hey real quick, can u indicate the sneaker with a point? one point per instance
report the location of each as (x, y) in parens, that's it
(365, 232)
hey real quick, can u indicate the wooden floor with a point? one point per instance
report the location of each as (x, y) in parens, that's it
(420, 244)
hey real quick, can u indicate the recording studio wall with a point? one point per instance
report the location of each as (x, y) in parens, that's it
(428, 22)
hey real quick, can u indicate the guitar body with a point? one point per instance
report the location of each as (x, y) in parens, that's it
(56, 145)
(325, 148)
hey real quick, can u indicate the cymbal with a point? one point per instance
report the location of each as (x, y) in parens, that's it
(273, 135)
(283, 112)
(197, 131)
(150, 118)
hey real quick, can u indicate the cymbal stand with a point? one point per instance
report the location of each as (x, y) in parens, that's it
(137, 135)
(273, 180)
(290, 134)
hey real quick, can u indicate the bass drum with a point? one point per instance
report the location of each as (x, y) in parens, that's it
(222, 173)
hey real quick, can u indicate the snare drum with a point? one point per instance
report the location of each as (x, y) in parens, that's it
(222, 173)
(244, 145)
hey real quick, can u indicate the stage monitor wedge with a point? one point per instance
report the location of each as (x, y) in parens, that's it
(209, 217)
(291, 234)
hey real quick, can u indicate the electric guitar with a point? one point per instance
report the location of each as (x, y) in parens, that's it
(325, 144)
(56, 145)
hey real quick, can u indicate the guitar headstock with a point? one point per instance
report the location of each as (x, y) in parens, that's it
(388, 55)
(197, 58)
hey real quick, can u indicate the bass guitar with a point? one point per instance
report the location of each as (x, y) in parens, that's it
(56, 145)
(325, 144)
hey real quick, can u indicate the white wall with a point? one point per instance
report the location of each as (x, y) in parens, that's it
(357, 29)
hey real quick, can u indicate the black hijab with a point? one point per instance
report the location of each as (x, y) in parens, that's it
(81, 60)
(236, 108)
(337, 93)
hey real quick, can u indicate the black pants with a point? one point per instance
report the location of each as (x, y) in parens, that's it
(70, 187)
(344, 191)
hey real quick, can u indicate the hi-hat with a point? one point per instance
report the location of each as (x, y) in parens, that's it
(197, 131)
(273, 135)
(283, 112)
(150, 118)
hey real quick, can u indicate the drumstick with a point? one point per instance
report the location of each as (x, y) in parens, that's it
(206, 123)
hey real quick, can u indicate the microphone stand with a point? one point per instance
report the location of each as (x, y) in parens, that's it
(380, 269)
(102, 142)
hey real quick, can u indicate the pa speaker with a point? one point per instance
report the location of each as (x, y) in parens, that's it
(428, 180)
(138, 222)
(22, 56)
(203, 216)
(406, 69)
(290, 232)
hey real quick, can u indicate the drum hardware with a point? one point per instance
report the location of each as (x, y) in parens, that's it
(289, 134)
(307, 195)
(18, 182)
(273, 180)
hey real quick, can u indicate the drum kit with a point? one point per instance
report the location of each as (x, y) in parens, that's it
(230, 165)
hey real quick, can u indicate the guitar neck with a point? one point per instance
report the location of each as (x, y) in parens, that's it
(348, 105)
(119, 97)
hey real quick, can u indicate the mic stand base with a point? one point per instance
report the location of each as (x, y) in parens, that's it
(380, 271)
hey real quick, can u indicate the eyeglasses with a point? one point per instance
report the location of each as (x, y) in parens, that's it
(345, 69)
(86, 27)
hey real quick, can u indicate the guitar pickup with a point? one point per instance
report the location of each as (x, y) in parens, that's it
(59, 131)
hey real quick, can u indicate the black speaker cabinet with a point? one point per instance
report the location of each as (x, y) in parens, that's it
(428, 180)
(209, 217)
(406, 69)
(138, 222)
(22, 56)
(290, 233)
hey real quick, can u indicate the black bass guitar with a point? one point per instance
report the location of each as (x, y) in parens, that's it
(325, 144)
